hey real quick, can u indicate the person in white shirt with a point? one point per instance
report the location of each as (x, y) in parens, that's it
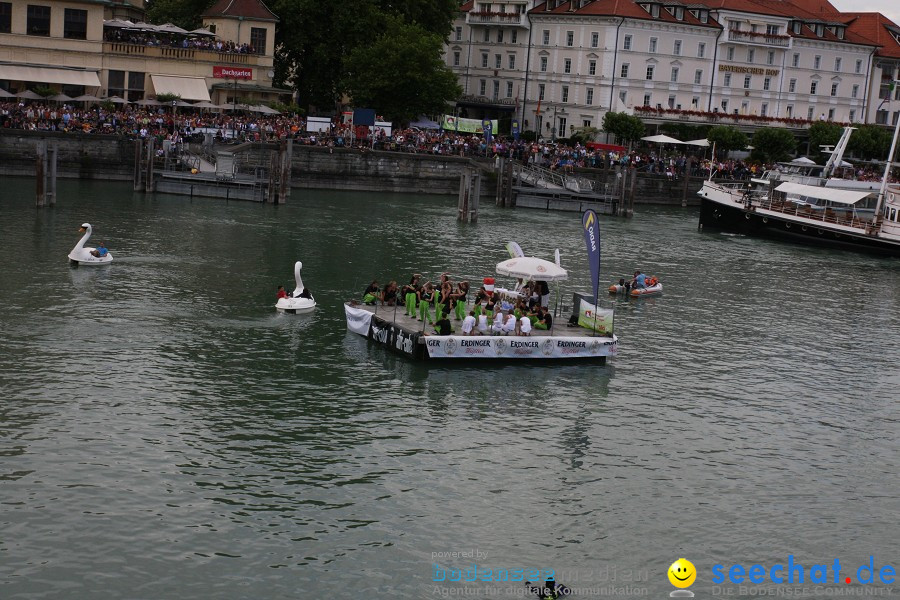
(509, 326)
(468, 324)
(482, 324)
(499, 318)
(525, 325)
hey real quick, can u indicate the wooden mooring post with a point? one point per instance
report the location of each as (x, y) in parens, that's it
(504, 169)
(45, 174)
(687, 180)
(149, 157)
(469, 193)
(138, 162)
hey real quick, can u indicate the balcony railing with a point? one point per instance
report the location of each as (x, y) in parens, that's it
(763, 39)
(700, 116)
(495, 18)
(192, 54)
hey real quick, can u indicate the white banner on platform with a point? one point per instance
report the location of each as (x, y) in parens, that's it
(460, 346)
(358, 320)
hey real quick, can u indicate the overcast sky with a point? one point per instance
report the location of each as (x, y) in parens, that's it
(889, 8)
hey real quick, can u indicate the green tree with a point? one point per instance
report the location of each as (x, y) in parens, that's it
(772, 144)
(726, 138)
(870, 142)
(626, 128)
(184, 13)
(585, 134)
(822, 133)
(314, 38)
(401, 74)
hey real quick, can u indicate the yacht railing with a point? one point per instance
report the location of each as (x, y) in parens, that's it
(848, 218)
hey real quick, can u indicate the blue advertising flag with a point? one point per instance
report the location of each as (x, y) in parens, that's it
(592, 241)
(515, 129)
(486, 126)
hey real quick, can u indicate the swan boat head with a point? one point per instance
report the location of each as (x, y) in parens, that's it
(297, 302)
(82, 255)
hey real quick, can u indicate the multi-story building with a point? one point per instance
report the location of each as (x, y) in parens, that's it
(753, 60)
(883, 105)
(79, 47)
(488, 50)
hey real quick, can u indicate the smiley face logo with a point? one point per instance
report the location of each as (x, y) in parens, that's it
(682, 573)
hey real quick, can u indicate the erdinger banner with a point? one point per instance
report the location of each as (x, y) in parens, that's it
(592, 317)
(396, 338)
(358, 320)
(462, 346)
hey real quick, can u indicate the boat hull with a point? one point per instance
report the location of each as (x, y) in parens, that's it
(737, 218)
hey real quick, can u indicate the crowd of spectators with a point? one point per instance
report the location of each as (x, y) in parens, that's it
(173, 40)
(191, 125)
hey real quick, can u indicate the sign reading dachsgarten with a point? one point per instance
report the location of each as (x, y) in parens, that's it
(232, 73)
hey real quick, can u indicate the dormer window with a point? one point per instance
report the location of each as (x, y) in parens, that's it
(646, 7)
(679, 13)
(840, 32)
(654, 10)
(695, 12)
(704, 16)
(797, 27)
(670, 10)
(831, 28)
(820, 30)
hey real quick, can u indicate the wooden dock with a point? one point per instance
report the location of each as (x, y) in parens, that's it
(390, 326)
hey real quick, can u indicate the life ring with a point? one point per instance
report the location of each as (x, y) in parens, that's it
(787, 225)
(803, 227)
(747, 216)
(717, 214)
(819, 231)
(765, 219)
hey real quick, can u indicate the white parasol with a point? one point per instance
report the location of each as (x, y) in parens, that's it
(661, 139)
(529, 267)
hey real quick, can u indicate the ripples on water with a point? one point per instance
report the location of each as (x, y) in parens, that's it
(165, 433)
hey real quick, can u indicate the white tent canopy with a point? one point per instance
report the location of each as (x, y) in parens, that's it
(702, 142)
(529, 267)
(262, 108)
(802, 161)
(821, 193)
(661, 139)
(170, 28)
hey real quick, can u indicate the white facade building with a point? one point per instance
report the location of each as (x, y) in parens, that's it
(563, 64)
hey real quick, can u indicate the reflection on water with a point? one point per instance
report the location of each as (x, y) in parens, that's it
(167, 432)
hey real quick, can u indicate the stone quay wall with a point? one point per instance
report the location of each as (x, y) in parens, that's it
(79, 155)
(93, 156)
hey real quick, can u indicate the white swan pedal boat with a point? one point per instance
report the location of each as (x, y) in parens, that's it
(300, 301)
(82, 255)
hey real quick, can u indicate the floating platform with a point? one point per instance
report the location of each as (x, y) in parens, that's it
(412, 338)
(565, 200)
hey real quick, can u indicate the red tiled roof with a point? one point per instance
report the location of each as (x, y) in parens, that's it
(466, 7)
(874, 26)
(620, 8)
(248, 9)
